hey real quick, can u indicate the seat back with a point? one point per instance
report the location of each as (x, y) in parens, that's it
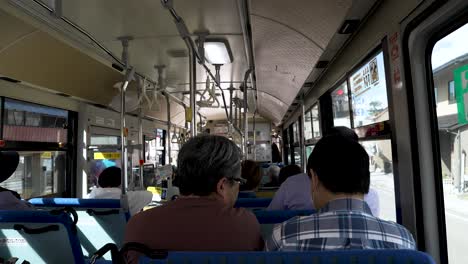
(269, 218)
(100, 221)
(310, 257)
(39, 237)
(253, 202)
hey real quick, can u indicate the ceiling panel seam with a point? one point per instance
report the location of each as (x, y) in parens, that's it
(274, 97)
(291, 28)
(19, 39)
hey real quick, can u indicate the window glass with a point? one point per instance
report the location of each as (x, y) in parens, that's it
(450, 68)
(297, 156)
(97, 140)
(451, 92)
(308, 125)
(381, 196)
(340, 103)
(316, 121)
(369, 93)
(309, 150)
(295, 132)
(38, 173)
(31, 122)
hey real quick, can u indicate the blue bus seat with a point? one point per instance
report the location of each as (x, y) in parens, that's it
(100, 221)
(39, 237)
(253, 202)
(309, 257)
(269, 218)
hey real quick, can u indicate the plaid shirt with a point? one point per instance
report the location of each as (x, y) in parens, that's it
(341, 224)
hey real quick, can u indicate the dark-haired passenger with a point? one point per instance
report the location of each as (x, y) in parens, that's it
(203, 217)
(10, 200)
(109, 182)
(295, 193)
(288, 171)
(339, 169)
(253, 175)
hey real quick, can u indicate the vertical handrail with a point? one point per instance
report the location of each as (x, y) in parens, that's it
(169, 125)
(193, 85)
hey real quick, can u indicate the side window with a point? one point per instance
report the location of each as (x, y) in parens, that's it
(316, 121)
(340, 102)
(451, 92)
(450, 70)
(40, 134)
(308, 126)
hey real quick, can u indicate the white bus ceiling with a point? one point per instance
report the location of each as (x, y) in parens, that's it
(308, 33)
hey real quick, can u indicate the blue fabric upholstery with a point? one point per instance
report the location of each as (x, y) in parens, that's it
(279, 216)
(56, 243)
(100, 221)
(247, 195)
(311, 257)
(75, 202)
(253, 202)
(269, 218)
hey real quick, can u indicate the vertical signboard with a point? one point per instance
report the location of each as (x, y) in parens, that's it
(369, 93)
(460, 77)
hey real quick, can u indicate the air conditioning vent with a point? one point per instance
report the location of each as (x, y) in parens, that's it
(117, 67)
(349, 26)
(321, 64)
(9, 79)
(62, 94)
(177, 53)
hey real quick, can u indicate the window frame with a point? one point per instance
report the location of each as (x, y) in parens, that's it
(68, 147)
(443, 29)
(449, 86)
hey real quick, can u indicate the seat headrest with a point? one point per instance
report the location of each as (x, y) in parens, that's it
(8, 163)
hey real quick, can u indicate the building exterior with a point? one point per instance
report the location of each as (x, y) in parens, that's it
(453, 136)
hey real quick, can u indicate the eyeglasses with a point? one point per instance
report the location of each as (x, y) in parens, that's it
(240, 180)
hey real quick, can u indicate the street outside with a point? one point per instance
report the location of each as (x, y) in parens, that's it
(456, 214)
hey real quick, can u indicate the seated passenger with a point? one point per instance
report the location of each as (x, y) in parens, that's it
(295, 193)
(10, 200)
(109, 188)
(251, 172)
(203, 217)
(288, 171)
(273, 174)
(339, 168)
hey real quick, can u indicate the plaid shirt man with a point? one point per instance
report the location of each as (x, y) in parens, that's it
(341, 224)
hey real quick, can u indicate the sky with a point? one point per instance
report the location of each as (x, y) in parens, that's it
(452, 46)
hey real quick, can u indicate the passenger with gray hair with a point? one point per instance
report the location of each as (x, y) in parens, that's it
(273, 173)
(203, 217)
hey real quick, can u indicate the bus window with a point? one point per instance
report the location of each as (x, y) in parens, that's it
(340, 102)
(38, 173)
(381, 181)
(28, 122)
(41, 134)
(308, 126)
(369, 92)
(309, 150)
(450, 75)
(316, 121)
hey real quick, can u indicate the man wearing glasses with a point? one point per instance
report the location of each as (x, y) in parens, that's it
(203, 218)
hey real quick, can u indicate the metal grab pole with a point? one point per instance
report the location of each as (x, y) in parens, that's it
(193, 85)
(231, 90)
(303, 147)
(141, 155)
(123, 132)
(169, 125)
(246, 121)
(254, 148)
